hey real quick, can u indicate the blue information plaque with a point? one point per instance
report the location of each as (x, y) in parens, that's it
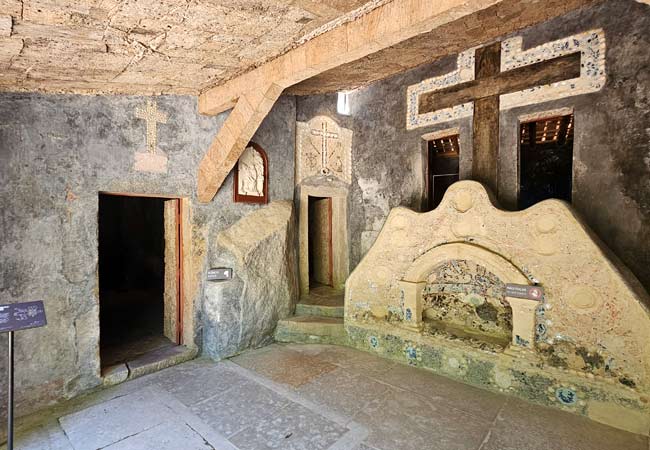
(21, 316)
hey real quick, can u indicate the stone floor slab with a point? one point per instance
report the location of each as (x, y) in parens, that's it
(166, 436)
(446, 392)
(115, 420)
(523, 426)
(294, 427)
(193, 384)
(240, 407)
(284, 365)
(342, 391)
(408, 421)
(48, 436)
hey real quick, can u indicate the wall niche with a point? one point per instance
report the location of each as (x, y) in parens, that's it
(465, 300)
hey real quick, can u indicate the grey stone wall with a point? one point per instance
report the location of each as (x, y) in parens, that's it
(56, 154)
(611, 148)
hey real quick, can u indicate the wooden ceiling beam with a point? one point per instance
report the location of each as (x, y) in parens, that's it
(381, 28)
(253, 94)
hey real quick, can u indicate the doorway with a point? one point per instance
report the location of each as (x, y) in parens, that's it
(323, 239)
(320, 241)
(545, 160)
(139, 276)
(442, 168)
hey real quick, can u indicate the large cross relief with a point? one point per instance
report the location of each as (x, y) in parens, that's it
(503, 75)
(323, 149)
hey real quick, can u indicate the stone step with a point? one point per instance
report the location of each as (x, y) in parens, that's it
(305, 309)
(311, 330)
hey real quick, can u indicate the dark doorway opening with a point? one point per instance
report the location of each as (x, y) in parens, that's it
(442, 168)
(546, 160)
(132, 271)
(320, 242)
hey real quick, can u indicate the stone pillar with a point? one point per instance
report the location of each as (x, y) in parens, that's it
(412, 295)
(523, 322)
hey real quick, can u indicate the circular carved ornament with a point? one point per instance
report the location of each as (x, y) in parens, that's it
(583, 299)
(463, 201)
(545, 224)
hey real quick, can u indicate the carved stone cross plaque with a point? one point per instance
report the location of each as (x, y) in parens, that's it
(153, 159)
(323, 149)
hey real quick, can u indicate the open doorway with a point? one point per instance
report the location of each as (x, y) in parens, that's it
(442, 168)
(139, 276)
(320, 241)
(546, 160)
(323, 240)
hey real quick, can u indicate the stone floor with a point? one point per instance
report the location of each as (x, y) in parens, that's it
(323, 296)
(309, 397)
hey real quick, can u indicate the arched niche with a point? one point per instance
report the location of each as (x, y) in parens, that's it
(415, 280)
(251, 183)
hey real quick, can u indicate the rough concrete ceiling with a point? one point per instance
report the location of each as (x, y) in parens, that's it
(149, 46)
(477, 29)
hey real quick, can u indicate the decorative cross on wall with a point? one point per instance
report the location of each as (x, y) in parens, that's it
(325, 135)
(323, 148)
(489, 83)
(152, 117)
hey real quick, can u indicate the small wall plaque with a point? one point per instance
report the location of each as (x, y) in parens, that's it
(21, 316)
(524, 291)
(220, 274)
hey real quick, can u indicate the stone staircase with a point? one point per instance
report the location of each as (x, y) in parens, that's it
(318, 319)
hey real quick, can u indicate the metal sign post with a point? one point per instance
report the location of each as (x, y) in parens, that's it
(14, 317)
(10, 395)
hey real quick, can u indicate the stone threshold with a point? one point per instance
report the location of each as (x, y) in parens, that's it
(150, 362)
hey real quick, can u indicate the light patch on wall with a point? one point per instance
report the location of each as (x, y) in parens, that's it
(343, 103)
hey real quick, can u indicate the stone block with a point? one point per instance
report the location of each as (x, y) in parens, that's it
(244, 312)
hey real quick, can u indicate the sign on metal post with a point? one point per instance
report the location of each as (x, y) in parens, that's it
(524, 291)
(15, 317)
(21, 316)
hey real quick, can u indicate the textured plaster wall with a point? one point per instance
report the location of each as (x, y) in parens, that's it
(56, 153)
(612, 150)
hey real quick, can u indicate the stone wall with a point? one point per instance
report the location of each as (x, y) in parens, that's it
(611, 169)
(56, 154)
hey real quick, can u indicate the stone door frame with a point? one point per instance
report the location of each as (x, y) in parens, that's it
(185, 326)
(340, 248)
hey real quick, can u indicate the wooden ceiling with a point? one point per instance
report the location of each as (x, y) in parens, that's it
(150, 46)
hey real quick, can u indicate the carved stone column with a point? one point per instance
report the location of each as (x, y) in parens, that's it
(412, 296)
(523, 322)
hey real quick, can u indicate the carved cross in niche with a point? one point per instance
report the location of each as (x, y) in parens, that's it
(152, 117)
(488, 84)
(325, 135)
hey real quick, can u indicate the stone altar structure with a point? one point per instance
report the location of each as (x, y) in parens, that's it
(437, 300)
